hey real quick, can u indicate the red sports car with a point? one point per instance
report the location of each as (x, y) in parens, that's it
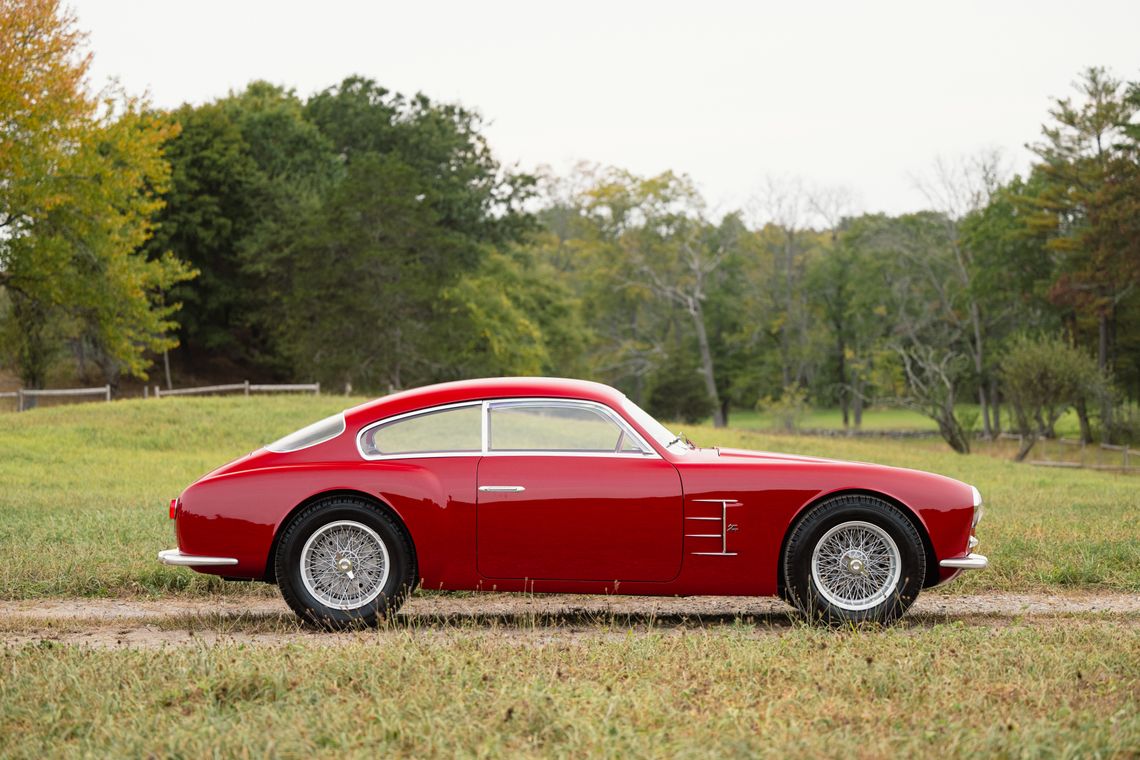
(546, 485)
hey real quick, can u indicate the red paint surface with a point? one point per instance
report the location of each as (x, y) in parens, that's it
(584, 524)
(580, 518)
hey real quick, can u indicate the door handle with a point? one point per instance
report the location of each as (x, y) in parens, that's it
(502, 489)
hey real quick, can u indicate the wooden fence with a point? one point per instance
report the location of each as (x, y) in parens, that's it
(103, 393)
(244, 387)
(1081, 449)
(22, 394)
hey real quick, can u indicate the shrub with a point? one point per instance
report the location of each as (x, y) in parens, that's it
(679, 394)
(1042, 377)
(789, 409)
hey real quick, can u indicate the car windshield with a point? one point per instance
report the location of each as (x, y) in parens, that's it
(655, 429)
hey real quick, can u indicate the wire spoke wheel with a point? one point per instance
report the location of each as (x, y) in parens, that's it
(344, 565)
(856, 565)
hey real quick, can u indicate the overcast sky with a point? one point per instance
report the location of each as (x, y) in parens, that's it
(863, 95)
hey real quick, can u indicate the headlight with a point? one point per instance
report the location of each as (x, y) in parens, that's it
(978, 510)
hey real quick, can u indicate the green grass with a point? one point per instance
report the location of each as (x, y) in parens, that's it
(881, 419)
(83, 494)
(84, 489)
(1023, 690)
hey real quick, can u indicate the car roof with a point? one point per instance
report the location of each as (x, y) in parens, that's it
(484, 388)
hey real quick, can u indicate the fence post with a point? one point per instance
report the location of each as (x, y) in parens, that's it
(1126, 456)
(247, 387)
(157, 392)
(108, 389)
(19, 399)
(318, 391)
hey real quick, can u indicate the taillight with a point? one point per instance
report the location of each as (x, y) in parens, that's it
(173, 507)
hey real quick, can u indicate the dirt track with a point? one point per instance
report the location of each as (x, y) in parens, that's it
(182, 621)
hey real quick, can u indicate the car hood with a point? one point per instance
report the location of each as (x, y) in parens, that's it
(860, 470)
(745, 454)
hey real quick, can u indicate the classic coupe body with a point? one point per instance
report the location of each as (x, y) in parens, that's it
(551, 485)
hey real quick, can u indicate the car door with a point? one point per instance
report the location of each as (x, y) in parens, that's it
(567, 490)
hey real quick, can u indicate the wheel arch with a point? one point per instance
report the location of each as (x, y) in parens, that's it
(377, 503)
(932, 570)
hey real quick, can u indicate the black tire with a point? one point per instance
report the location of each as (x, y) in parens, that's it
(835, 520)
(352, 512)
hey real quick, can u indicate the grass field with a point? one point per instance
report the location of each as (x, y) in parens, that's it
(83, 493)
(84, 489)
(734, 690)
(881, 419)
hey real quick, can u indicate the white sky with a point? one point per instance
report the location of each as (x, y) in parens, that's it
(864, 95)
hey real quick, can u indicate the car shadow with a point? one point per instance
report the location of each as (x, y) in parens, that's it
(584, 621)
(586, 618)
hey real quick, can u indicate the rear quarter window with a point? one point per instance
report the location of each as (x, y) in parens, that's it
(318, 432)
(454, 430)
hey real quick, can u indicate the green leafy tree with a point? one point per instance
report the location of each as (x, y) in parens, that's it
(586, 215)
(1011, 275)
(441, 143)
(358, 282)
(675, 254)
(850, 292)
(244, 168)
(514, 316)
(923, 359)
(1086, 203)
(654, 252)
(777, 304)
(208, 211)
(678, 391)
(79, 183)
(358, 279)
(1043, 378)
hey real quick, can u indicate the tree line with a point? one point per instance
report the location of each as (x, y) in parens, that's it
(363, 237)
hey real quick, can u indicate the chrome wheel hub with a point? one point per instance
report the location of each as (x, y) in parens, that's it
(344, 565)
(856, 565)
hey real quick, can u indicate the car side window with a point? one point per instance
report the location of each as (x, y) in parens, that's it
(630, 445)
(459, 430)
(553, 426)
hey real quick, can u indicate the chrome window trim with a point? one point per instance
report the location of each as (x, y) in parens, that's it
(430, 455)
(485, 434)
(630, 455)
(418, 413)
(673, 439)
(647, 451)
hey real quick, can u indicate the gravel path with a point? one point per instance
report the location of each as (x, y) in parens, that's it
(266, 620)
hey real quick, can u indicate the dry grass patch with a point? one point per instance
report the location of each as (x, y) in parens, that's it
(952, 690)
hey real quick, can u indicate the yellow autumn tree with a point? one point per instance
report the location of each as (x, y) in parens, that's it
(81, 176)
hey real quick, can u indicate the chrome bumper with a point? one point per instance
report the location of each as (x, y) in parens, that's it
(176, 557)
(970, 562)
